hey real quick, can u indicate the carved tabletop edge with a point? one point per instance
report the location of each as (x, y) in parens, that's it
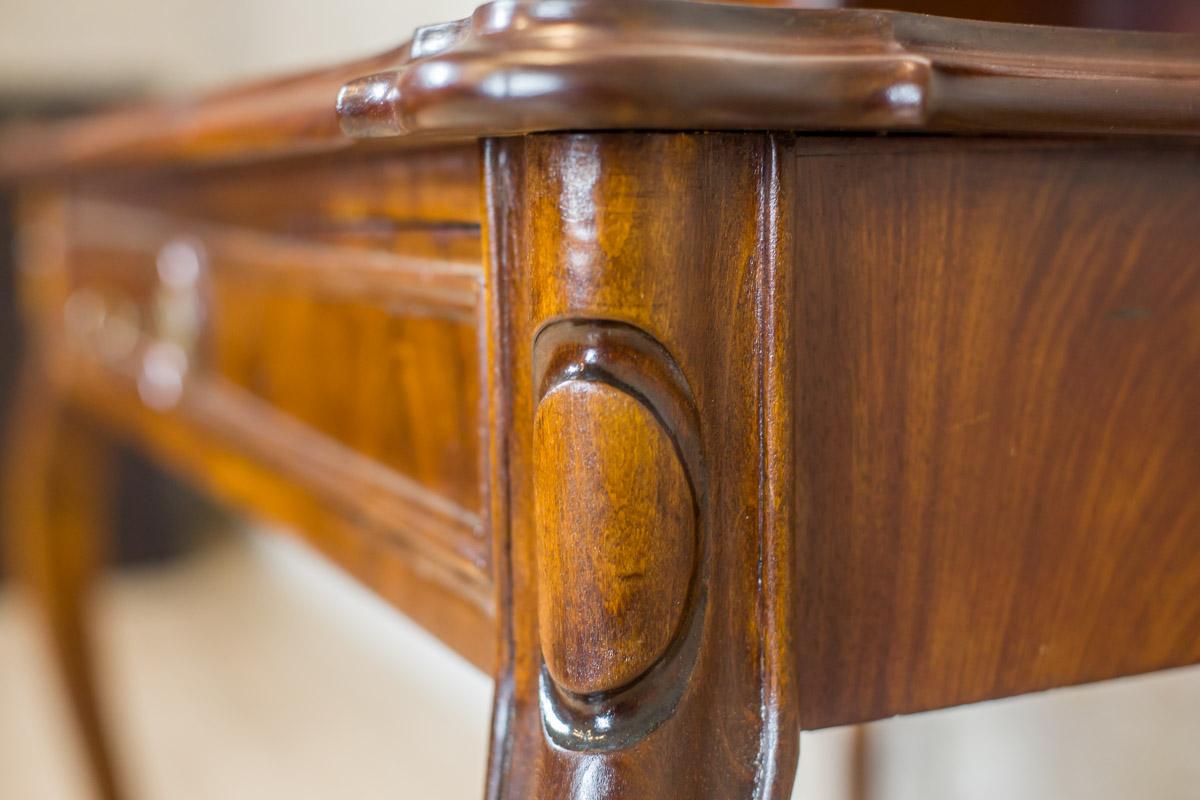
(525, 66)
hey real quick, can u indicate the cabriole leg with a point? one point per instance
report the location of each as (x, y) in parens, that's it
(56, 504)
(640, 468)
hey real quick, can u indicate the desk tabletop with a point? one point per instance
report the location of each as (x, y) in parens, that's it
(522, 66)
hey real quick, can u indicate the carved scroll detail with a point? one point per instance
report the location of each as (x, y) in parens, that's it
(617, 491)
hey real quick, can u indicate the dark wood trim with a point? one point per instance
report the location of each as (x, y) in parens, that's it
(56, 505)
(612, 319)
(415, 285)
(412, 548)
(439, 533)
(521, 66)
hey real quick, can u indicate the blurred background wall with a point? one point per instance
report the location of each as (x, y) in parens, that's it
(250, 669)
(171, 45)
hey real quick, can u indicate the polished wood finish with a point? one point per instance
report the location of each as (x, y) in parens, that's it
(56, 505)
(616, 570)
(370, 293)
(716, 715)
(342, 198)
(521, 66)
(998, 398)
(1139, 15)
(383, 322)
(692, 438)
(615, 423)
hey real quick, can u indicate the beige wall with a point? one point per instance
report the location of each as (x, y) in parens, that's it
(166, 45)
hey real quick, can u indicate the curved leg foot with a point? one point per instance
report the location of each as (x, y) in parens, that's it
(56, 502)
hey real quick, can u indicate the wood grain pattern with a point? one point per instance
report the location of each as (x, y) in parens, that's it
(614, 570)
(430, 189)
(619, 480)
(522, 66)
(390, 546)
(588, 228)
(256, 422)
(57, 485)
(389, 330)
(998, 418)
(729, 433)
(1135, 15)
(519, 66)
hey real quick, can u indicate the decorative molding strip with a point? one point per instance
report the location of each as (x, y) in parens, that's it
(652, 336)
(519, 66)
(618, 485)
(418, 286)
(443, 537)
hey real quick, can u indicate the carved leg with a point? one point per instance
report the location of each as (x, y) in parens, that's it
(641, 469)
(56, 502)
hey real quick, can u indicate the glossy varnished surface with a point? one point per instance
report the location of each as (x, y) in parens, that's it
(995, 424)
(518, 66)
(363, 197)
(56, 505)
(521, 66)
(998, 418)
(333, 380)
(616, 569)
(668, 237)
(619, 479)
(695, 438)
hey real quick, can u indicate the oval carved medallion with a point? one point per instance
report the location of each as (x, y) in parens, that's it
(616, 536)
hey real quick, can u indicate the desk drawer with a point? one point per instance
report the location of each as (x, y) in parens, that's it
(336, 343)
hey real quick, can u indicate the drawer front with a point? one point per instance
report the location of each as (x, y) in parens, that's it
(333, 336)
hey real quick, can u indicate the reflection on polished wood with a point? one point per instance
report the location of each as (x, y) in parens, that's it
(692, 438)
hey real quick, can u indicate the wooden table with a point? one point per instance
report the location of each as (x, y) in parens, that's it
(613, 343)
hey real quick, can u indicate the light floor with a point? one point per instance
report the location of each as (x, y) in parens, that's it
(254, 671)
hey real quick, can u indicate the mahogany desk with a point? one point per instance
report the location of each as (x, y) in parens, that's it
(631, 359)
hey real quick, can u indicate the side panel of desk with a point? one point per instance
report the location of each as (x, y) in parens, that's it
(997, 417)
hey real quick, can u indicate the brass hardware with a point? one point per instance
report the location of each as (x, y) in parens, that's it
(177, 318)
(162, 333)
